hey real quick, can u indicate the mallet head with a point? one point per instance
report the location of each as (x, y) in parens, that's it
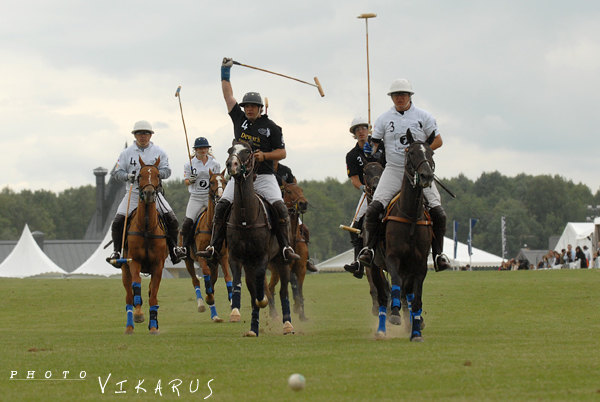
(177, 92)
(367, 15)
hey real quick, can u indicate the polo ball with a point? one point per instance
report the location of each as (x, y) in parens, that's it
(297, 382)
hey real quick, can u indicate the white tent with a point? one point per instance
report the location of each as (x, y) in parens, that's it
(576, 234)
(27, 259)
(96, 264)
(479, 258)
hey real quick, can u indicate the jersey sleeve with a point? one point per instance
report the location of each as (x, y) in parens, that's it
(164, 170)
(276, 137)
(378, 129)
(187, 172)
(120, 173)
(352, 165)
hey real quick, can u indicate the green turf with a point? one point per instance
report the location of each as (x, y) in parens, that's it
(526, 335)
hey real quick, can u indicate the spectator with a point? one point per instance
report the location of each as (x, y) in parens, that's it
(588, 256)
(570, 254)
(580, 256)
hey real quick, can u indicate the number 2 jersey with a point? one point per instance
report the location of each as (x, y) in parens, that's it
(392, 127)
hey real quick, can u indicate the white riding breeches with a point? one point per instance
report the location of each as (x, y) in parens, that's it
(161, 204)
(265, 185)
(195, 205)
(391, 182)
(361, 207)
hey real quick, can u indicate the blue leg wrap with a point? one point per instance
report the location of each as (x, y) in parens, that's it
(415, 319)
(396, 292)
(129, 310)
(213, 311)
(382, 318)
(198, 292)
(409, 299)
(137, 293)
(207, 284)
(229, 289)
(153, 323)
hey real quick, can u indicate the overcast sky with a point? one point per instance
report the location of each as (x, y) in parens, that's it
(514, 85)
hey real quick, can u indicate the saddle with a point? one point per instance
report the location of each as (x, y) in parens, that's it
(388, 217)
(269, 211)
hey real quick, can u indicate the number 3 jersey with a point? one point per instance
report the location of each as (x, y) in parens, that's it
(201, 186)
(392, 126)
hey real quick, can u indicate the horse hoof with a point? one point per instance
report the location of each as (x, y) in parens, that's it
(154, 331)
(201, 306)
(138, 318)
(235, 315)
(129, 331)
(263, 303)
(395, 319)
(288, 328)
(303, 317)
(379, 335)
(210, 299)
(217, 319)
(417, 339)
(250, 334)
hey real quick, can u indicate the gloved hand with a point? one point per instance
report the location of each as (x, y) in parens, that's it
(226, 68)
(131, 177)
(192, 179)
(367, 149)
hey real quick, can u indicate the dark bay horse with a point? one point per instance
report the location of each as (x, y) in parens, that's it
(202, 233)
(252, 243)
(297, 204)
(147, 249)
(408, 236)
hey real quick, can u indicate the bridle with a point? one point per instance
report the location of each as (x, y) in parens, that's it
(293, 205)
(412, 170)
(155, 188)
(247, 166)
(217, 192)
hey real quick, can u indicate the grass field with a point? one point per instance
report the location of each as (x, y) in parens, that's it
(525, 335)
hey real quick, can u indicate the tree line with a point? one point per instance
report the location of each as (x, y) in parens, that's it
(534, 207)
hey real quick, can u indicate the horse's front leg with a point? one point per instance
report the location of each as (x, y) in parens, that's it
(284, 273)
(236, 295)
(209, 282)
(251, 281)
(153, 297)
(126, 278)
(136, 285)
(189, 265)
(416, 308)
(297, 276)
(227, 274)
(271, 290)
(206, 275)
(379, 288)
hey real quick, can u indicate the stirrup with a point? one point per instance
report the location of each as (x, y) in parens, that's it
(180, 252)
(208, 252)
(289, 254)
(365, 257)
(441, 263)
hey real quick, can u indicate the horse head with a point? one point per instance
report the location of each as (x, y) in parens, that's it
(240, 162)
(294, 199)
(371, 174)
(419, 165)
(148, 181)
(216, 185)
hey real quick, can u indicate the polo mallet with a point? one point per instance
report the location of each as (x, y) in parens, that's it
(444, 187)
(266, 104)
(366, 18)
(120, 261)
(318, 84)
(350, 228)
(178, 96)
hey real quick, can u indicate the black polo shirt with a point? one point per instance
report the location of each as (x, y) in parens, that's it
(265, 135)
(356, 160)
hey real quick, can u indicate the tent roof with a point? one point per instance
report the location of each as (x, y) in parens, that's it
(27, 259)
(479, 258)
(576, 234)
(96, 264)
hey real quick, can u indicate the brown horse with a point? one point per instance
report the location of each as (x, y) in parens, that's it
(297, 204)
(408, 236)
(252, 243)
(146, 250)
(210, 269)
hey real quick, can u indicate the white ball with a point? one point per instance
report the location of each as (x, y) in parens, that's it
(297, 382)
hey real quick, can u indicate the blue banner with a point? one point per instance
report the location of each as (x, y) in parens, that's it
(472, 222)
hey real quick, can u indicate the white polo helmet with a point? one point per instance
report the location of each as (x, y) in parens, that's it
(401, 85)
(358, 121)
(142, 125)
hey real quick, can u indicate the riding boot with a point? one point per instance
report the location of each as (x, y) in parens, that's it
(218, 230)
(283, 231)
(117, 228)
(304, 232)
(355, 268)
(187, 235)
(374, 210)
(176, 253)
(438, 216)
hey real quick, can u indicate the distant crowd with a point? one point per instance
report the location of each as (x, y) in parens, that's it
(579, 257)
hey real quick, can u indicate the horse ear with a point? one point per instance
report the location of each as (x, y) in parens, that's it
(142, 164)
(223, 172)
(157, 162)
(409, 136)
(210, 173)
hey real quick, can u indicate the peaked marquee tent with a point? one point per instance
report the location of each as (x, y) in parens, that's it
(96, 264)
(479, 258)
(27, 259)
(576, 234)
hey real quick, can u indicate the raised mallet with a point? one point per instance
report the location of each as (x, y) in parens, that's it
(317, 84)
(366, 18)
(178, 96)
